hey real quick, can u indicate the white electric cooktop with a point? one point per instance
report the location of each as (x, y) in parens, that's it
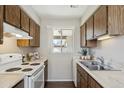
(26, 68)
(12, 63)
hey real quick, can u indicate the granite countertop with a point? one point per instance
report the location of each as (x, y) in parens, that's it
(108, 79)
(37, 60)
(9, 80)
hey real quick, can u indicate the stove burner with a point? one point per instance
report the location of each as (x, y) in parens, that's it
(34, 64)
(13, 69)
(27, 69)
(24, 63)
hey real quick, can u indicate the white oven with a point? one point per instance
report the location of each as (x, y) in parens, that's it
(37, 79)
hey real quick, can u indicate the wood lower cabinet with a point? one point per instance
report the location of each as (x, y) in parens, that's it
(78, 79)
(83, 35)
(81, 78)
(100, 21)
(116, 19)
(12, 15)
(1, 24)
(84, 80)
(45, 72)
(93, 83)
(24, 21)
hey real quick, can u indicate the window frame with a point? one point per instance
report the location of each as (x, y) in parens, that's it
(61, 29)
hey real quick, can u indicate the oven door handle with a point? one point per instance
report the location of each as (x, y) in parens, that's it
(38, 74)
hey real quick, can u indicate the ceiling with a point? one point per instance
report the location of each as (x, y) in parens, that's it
(59, 11)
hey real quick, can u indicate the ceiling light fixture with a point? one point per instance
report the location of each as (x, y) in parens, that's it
(105, 37)
(74, 6)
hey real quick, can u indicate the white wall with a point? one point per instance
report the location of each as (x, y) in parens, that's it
(89, 11)
(31, 13)
(10, 44)
(111, 49)
(59, 65)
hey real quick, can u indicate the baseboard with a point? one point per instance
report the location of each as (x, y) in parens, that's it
(60, 80)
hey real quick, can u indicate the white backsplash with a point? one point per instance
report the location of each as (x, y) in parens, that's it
(112, 50)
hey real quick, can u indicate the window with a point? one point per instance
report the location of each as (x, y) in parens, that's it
(62, 40)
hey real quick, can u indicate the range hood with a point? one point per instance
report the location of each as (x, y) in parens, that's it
(11, 31)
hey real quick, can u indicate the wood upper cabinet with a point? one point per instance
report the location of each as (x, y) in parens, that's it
(90, 41)
(100, 21)
(12, 15)
(83, 35)
(116, 19)
(24, 21)
(32, 32)
(37, 35)
(90, 30)
(22, 43)
(1, 24)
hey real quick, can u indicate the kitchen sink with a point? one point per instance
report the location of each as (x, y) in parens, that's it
(94, 65)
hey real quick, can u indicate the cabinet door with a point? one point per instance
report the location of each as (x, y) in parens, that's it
(78, 79)
(100, 21)
(12, 15)
(89, 31)
(82, 36)
(92, 83)
(32, 32)
(83, 82)
(81, 77)
(116, 19)
(24, 21)
(37, 36)
(1, 24)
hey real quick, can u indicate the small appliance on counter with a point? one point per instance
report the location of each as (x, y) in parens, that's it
(36, 55)
(30, 56)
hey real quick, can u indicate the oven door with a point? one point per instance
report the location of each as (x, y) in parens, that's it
(37, 80)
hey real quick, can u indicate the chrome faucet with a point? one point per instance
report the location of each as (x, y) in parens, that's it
(101, 60)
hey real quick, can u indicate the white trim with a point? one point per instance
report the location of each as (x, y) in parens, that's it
(60, 80)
